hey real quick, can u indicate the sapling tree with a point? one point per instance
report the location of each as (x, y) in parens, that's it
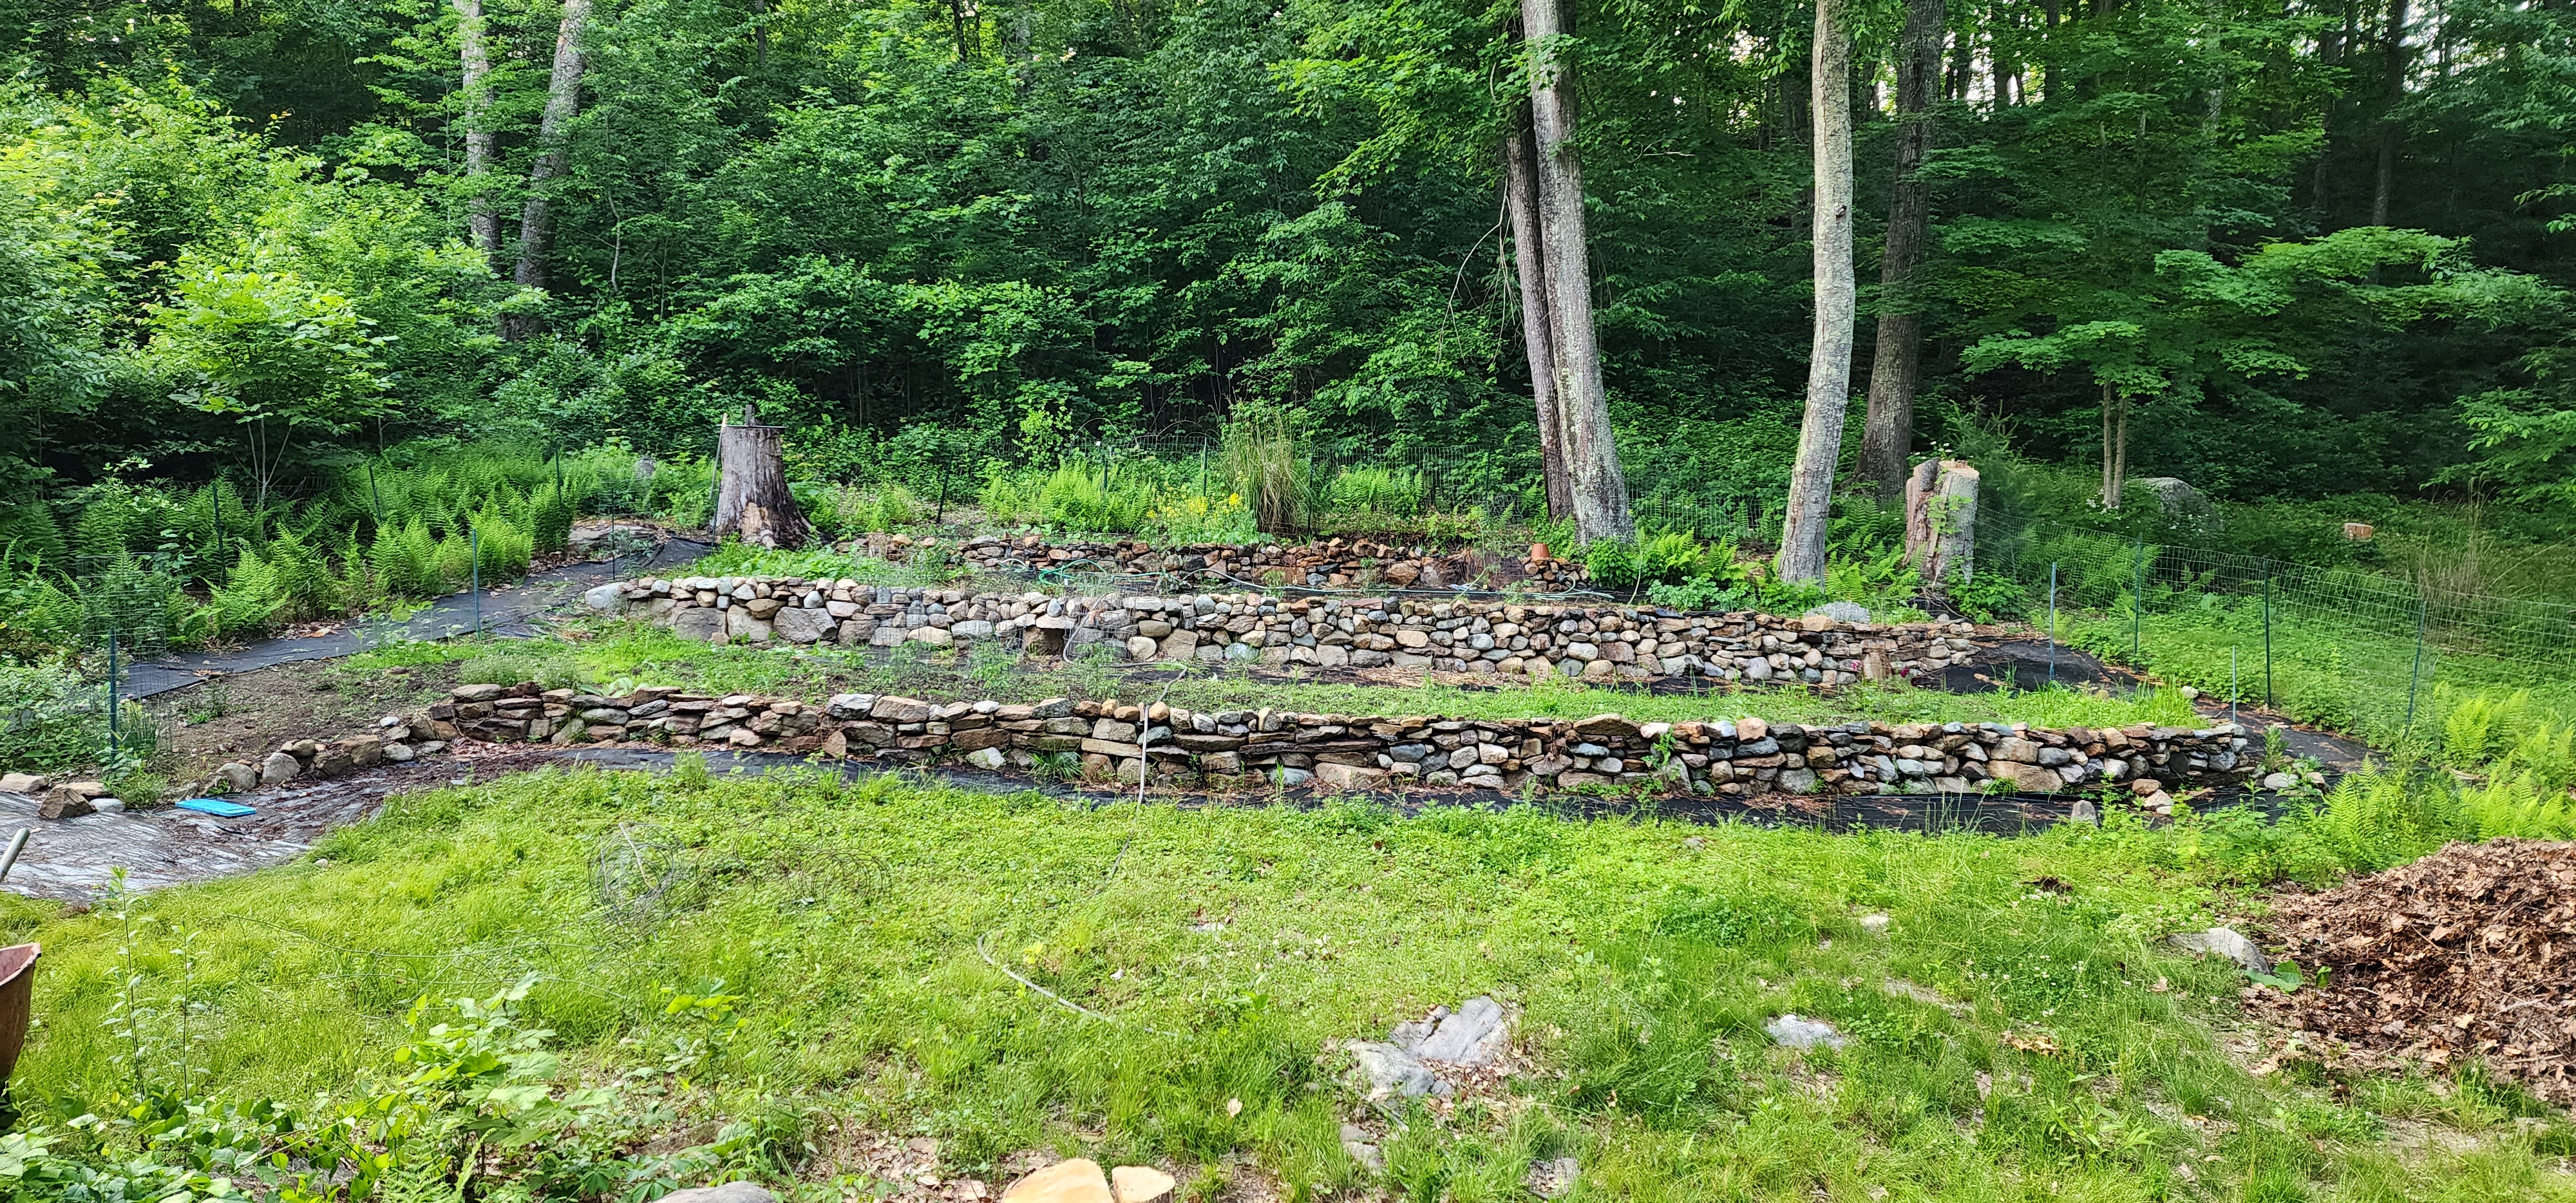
(292, 363)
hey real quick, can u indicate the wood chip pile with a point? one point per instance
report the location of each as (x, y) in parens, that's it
(2468, 953)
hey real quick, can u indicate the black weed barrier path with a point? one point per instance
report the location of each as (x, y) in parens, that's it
(501, 610)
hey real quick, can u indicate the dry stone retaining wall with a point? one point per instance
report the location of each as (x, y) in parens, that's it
(1109, 740)
(1465, 635)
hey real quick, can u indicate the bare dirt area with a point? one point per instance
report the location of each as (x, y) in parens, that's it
(2468, 954)
(252, 713)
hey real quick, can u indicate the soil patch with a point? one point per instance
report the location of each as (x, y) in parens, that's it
(2468, 953)
(255, 712)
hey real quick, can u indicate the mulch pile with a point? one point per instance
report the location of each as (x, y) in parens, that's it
(2468, 953)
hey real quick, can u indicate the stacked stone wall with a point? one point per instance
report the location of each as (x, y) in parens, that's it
(1243, 749)
(1470, 635)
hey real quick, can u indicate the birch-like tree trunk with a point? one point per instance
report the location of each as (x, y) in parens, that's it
(2115, 446)
(1592, 455)
(563, 102)
(483, 223)
(1520, 196)
(1887, 433)
(1820, 435)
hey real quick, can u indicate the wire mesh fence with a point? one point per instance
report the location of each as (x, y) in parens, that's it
(60, 716)
(2368, 652)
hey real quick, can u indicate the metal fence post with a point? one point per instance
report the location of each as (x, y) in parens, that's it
(218, 492)
(474, 573)
(115, 736)
(2052, 622)
(2267, 636)
(2137, 599)
(375, 495)
(2417, 683)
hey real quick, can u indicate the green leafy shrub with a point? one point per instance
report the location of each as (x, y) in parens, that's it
(1667, 558)
(139, 600)
(247, 603)
(1611, 564)
(1990, 597)
(887, 507)
(405, 561)
(1011, 496)
(1394, 492)
(2373, 820)
(49, 719)
(453, 561)
(302, 578)
(549, 520)
(505, 547)
(1079, 497)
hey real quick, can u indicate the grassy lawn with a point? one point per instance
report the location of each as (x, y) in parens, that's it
(805, 957)
(605, 653)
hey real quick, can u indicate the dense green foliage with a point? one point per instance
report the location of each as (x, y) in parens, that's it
(234, 236)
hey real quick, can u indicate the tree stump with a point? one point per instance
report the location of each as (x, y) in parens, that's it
(1941, 520)
(752, 501)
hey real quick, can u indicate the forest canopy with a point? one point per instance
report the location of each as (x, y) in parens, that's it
(2303, 250)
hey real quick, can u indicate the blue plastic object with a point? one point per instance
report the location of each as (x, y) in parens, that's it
(216, 807)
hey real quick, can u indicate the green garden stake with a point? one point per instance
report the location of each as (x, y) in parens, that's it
(2232, 689)
(377, 494)
(474, 574)
(942, 514)
(2418, 681)
(217, 490)
(2267, 638)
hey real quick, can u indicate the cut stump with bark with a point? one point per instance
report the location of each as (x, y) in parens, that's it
(752, 501)
(1941, 520)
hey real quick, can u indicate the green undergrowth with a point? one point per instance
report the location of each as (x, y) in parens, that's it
(729, 966)
(607, 653)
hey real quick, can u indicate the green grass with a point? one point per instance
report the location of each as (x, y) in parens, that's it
(843, 926)
(607, 652)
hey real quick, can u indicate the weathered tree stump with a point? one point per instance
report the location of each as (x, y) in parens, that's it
(752, 501)
(1941, 520)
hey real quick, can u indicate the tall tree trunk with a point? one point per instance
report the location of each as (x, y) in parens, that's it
(2049, 18)
(2115, 446)
(1520, 195)
(2330, 47)
(2005, 71)
(483, 223)
(1887, 434)
(962, 13)
(760, 34)
(2379, 196)
(563, 101)
(1600, 487)
(752, 499)
(1820, 435)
